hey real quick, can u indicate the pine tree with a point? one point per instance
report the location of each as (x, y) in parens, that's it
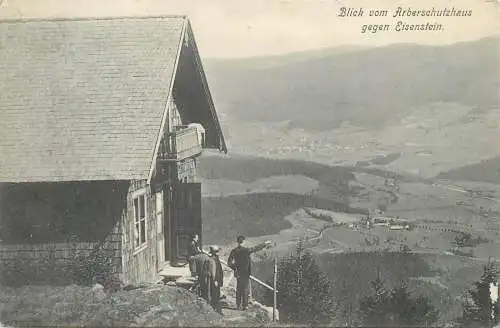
(410, 311)
(395, 307)
(304, 295)
(478, 309)
(374, 307)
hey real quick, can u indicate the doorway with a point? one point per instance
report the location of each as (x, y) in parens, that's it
(186, 219)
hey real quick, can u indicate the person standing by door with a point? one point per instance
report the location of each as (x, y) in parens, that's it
(194, 250)
(239, 260)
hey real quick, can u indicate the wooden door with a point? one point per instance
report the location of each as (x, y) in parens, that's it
(160, 235)
(187, 218)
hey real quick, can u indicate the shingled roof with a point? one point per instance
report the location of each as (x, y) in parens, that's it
(84, 99)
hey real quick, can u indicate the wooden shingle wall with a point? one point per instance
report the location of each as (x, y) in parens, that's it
(139, 265)
(59, 221)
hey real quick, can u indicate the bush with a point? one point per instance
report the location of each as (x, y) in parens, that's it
(94, 268)
(83, 270)
(44, 270)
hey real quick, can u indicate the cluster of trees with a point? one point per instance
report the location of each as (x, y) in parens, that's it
(305, 297)
(319, 216)
(395, 307)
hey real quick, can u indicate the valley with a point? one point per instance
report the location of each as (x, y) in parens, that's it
(404, 135)
(325, 207)
(436, 107)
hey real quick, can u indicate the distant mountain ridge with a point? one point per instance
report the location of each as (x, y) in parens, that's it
(271, 61)
(366, 87)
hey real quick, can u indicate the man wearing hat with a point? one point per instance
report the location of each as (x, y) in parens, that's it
(239, 260)
(212, 279)
(195, 255)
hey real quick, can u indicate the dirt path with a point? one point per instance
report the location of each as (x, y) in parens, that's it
(254, 316)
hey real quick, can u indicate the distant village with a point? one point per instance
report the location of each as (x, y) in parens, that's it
(383, 221)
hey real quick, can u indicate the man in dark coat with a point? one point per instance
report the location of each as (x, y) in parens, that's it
(239, 260)
(193, 251)
(212, 279)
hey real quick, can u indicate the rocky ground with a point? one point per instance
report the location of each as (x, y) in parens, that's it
(154, 305)
(151, 305)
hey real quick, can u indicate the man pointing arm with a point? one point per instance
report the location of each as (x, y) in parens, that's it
(239, 260)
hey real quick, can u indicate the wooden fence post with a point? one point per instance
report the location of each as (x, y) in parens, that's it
(275, 278)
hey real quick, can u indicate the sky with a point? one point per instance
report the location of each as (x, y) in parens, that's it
(249, 28)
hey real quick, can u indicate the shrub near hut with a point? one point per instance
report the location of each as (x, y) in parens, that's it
(83, 270)
(94, 268)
